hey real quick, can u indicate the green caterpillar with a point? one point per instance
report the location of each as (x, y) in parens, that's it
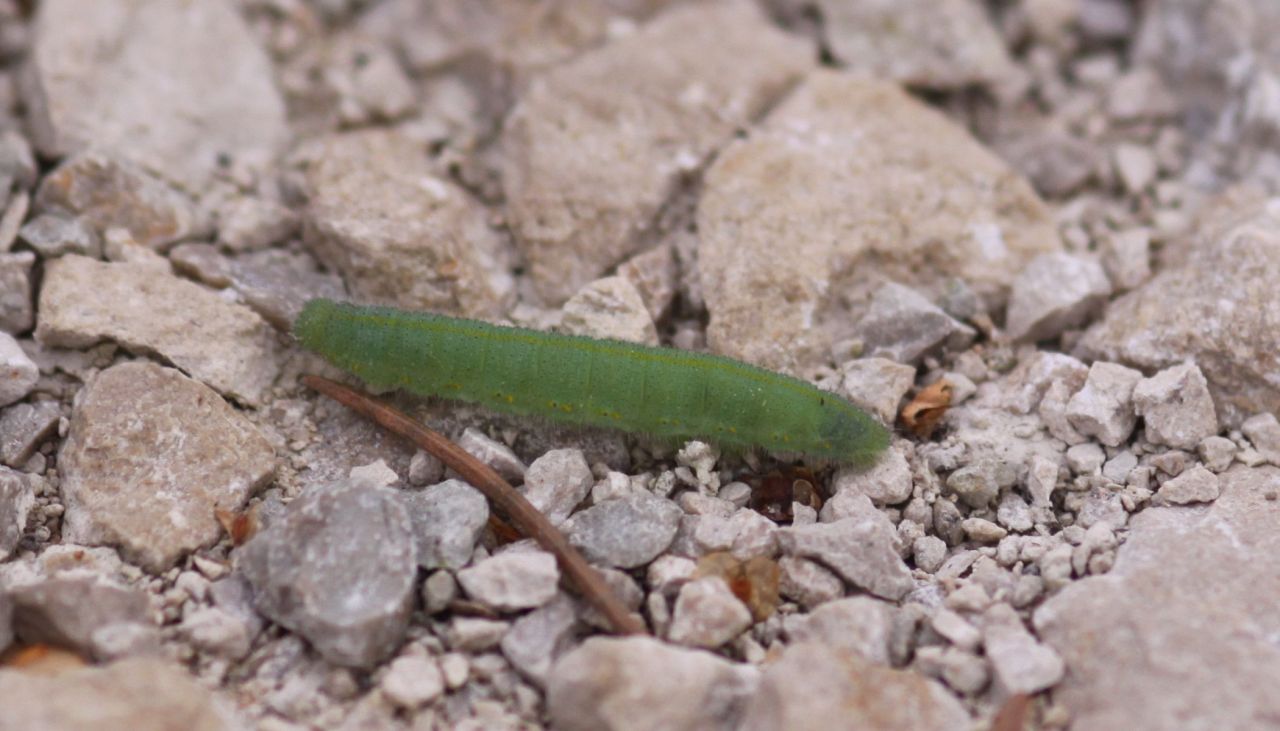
(669, 394)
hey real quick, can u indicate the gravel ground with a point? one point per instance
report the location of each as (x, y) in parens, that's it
(1054, 214)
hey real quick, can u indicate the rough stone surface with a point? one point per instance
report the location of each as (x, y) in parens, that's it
(493, 453)
(626, 532)
(76, 610)
(1147, 647)
(1196, 485)
(84, 301)
(941, 45)
(398, 232)
(1021, 664)
(1104, 407)
(16, 313)
(808, 583)
(557, 481)
(447, 521)
(858, 159)
(512, 580)
(609, 308)
(888, 482)
(142, 694)
(813, 686)
(1263, 430)
(18, 374)
(413, 680)
(863, 551)
(1212, 310)
(106, 74)
(598, 145)
(339, 568)
(55, 234)
(707, 614)
(538, 638)
(877, 385)
(903, 326)
(16, 500)
(859, 624)
(1055, 292)
(108, 193)
(1176, 407)
(149, 457)
(643, 684)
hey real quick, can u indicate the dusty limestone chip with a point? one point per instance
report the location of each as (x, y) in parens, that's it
(141, 694)
(557, 481)
(1181, 612)
(109, 193)
(16, 499)
(861, 158)
(862, 550)
(339, 568)
(1196, 485)
(877, 385)
(18, 374)
(1104, 407)
(1176, 407)
(1053, 293)
(78, 610)
(644, 684)
(707, 614)
(940, 44)
(512, 580)
(888, 482)
(816, 686)
(226, 345)
(1263, 430)
(448, 519)
(1210, 310)
(625, 532)
(183, 89)
(860, 624)
(1021, 663)
(16, 313)
(398, 232)
(598, 145)
(903, 325)
(609, 308)
(150, 455)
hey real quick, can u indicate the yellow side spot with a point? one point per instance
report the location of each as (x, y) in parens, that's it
(511, 399)
(567, 408)
(733, 430)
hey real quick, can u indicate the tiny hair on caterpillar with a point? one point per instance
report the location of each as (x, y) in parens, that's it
(663, 393)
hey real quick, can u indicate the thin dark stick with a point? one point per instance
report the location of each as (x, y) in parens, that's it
(526, 518)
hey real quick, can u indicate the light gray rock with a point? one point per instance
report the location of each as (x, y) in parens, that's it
(1126, 255)
(940, 45)
(887, 483)
(447, 521)
(55, 234)
(862, 551)
(813, 686)
(982, 530)
(339, 568)
(1196, 485)
(248, 223)
(475, 634)
(976, 483)
(18, 374)
(512, 580)
(1118, 468)
(1179, 316)
(412, 680)
(149, 457)
(1086, 459)
(643, 684)
(877, 385)
(903, 326)
(807, 583)
(1104, 407)
(583, 192)
(1055, 292)
(139, 694)
(655, 276)
(84, 301)
(1188, 584)
(862, 157)
(493, 453)
(609, 308)
(956, 629)
(961, 669)
(1218, 453)
(557, 482)
(1176, 407)
(1263, 431)
(77, 609)
(16, 500)
(399, 232)
(627, 532)
(1014, 513)
(16, 313)
(860, 624)
(218, 631)
(1027, 383)
(108, 193)
(540, 637)
(928, 552)
(1021, 664)
(180, 89)
(707, 614)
